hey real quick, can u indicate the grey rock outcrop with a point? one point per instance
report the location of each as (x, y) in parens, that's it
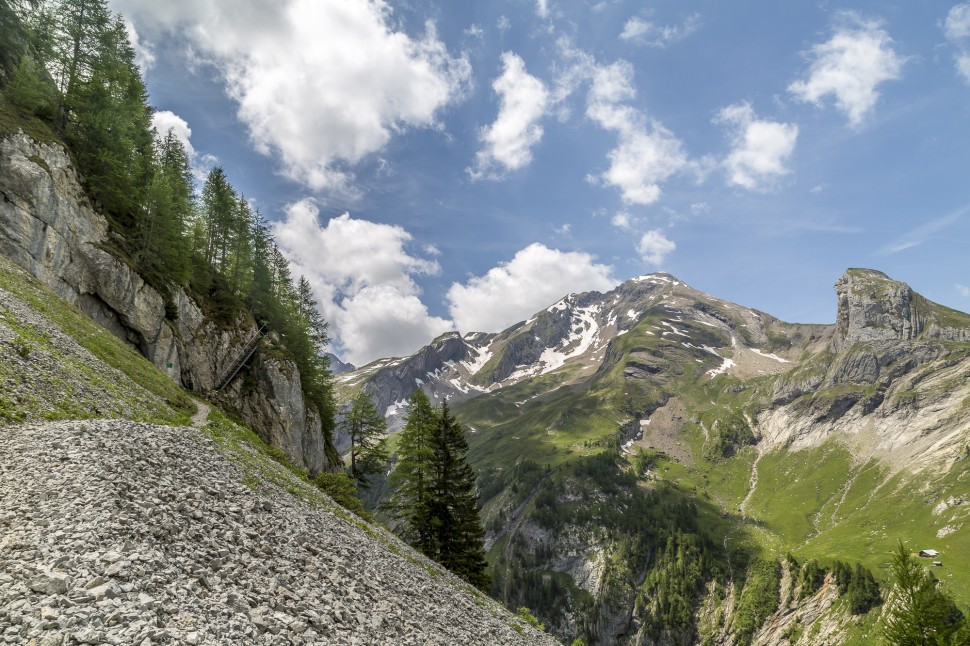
(49, 228)
(873, 308)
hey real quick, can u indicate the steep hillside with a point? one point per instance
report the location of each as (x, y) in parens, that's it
(142, 529)
(637, 450)
(49, 227)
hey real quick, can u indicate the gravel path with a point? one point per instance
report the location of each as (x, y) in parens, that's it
(201, 414)
(124, 533)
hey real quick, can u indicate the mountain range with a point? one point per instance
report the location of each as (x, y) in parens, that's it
(827, 442)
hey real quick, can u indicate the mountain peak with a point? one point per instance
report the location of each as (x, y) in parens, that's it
(657, 276)
(873, 307)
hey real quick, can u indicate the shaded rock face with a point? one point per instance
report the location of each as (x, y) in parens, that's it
(399, 382)
(275, 408)
(48, 227)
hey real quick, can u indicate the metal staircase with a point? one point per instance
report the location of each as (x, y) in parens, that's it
(248, 350)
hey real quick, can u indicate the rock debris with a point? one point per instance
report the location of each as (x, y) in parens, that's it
(115, 532)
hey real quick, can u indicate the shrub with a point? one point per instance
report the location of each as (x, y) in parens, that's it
(340, 487)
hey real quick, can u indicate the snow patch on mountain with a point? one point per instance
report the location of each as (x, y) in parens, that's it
(769, 356)
(482, 356)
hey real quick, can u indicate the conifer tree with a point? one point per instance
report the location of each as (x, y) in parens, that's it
(434, 491)
(316, 326)
(161, 251)
(366, 428)
(30, 89)
(460, 536)
(920, 613)
(411, 480)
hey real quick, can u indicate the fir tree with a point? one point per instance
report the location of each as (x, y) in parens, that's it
(920, 613)
(411, 480)
(458, 528)
(366, 428)
(434, 491)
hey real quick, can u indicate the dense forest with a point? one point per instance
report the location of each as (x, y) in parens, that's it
(74, 70)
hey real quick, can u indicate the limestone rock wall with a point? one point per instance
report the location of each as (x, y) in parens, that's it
(49, 227)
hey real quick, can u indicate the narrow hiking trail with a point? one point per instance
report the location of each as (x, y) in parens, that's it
(201, 416)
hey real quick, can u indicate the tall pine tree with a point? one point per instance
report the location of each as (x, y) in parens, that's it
(457, 525)
(412, 478)
(434, 493)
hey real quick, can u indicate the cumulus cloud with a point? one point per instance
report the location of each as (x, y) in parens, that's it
(363, 277)
(957, 24)
(957, 30)
(646, 154)
(144, 54)
(542, 8)
(643, 32)
(535, 277)
(850, 66)
(165, 120)
(622, 220)
(654, 247)
(319, 85)
(509, 140)
(759, 148)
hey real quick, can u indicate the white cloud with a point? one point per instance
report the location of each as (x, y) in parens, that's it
(957, 25)
(144, 54)
(536, 277)
(363, 277)
(963, 290)
(644, 32)
(646, 154)
(165, 120)
(654, 247)
(622, 220)
(957, 30)
(850, 66)
(963, 65)
(503, 23)
(509, 140)
(759, 148)
(320, 85)
(542, 8)
(475, 31)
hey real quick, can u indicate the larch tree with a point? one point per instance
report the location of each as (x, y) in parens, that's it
(366, 428)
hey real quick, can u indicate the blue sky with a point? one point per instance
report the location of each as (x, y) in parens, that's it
(441, 165)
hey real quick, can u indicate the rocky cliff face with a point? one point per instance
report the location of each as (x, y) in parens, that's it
(48, 227)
